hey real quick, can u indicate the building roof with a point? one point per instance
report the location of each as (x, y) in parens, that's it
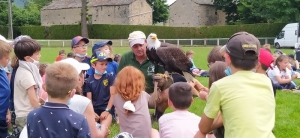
(200, 2)
(66, 4)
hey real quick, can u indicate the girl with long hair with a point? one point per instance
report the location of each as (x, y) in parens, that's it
(131, 103)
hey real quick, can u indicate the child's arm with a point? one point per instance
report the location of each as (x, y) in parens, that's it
(112, 90)
(89, 95)
(34, 101)
(8, 117)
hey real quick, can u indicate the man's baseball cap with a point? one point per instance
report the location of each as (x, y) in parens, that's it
(243, 45)
(100, 56)
(77, 65)
(265, 58)
(100, 44)
(76, 40)
(278, 51)
(136, 37)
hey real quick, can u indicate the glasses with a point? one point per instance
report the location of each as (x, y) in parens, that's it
(81, 46)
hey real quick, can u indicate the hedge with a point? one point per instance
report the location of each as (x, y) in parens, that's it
(104, 31)
(4, 31)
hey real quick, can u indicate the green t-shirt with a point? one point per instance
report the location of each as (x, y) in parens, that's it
(146, 67)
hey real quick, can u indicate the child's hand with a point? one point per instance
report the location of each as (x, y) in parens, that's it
(8, 118)
(97, 117)
(104, 115)
(204, 89)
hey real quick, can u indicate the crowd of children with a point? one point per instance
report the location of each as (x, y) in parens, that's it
(38, 98)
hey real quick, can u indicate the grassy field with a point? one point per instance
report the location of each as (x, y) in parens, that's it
(287, 108)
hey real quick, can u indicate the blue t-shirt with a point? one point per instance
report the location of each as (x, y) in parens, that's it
(4, 94)
(100, 90)
(111, 69)
(55, 120)
(194, 66)
(12, 82)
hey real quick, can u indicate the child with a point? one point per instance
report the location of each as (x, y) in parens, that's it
(234, 95)
(5, 50)
(55, 118)
(42, 69)
(70, 55)
(280, 75)
(61, 55)
(28, 82)
(97, 89)
(294, 63)
(194, 69)
(180, 123)
(106, 48)
(117, 58)
(131, 103)
(264, 63)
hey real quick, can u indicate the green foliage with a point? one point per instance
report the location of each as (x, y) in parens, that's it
(4, 31)
(259, 11)
(160, 10)
(103, 31)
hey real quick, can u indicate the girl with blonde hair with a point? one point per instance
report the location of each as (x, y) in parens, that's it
(131, 103)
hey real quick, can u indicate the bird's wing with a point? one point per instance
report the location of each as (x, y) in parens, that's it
(174, 57)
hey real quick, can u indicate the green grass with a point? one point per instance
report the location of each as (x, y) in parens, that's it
(287, 104)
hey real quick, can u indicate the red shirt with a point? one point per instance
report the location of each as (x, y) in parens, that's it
(58, 58)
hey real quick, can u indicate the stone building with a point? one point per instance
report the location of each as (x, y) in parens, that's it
(192, 13)
(127, 12)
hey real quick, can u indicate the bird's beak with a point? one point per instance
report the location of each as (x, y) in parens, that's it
(153, 38)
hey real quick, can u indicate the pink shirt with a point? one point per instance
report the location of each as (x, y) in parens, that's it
(178, 124)
(43, 93)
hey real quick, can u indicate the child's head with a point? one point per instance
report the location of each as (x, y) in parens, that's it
(242, 51)
(216, 72)
(81, 68)
(61, 81)
(215, 55)
(104, 47)
(267, 47)
(99, 62)
(180, 96)
(62, 54)
(278, 51)
(79, 46)
(27, 50)
(70, 55)
(117, 58)
(291, 57)
(5, 50)
(282, 62)
(190, 54)
(42, 68)
(129, 83)
(265, 60)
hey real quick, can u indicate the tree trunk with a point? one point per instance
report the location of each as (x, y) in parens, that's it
(84, 30)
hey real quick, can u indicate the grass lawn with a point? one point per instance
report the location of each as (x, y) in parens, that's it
(287, 104)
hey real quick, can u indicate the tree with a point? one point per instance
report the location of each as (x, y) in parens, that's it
(230, 9)
(160, 10)
(84, 30)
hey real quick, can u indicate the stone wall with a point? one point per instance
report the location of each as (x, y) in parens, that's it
(110, 14)
(60, 16)
(140, 13)
(190, 14)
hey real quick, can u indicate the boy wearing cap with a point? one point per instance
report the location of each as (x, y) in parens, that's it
(97, 88)
(244, 101)
(55, 119)
(106, 48)
(79, 48)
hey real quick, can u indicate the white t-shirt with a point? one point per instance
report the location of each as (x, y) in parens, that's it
(77, 103)
(276, 72)
(23, 80)
(178, 124)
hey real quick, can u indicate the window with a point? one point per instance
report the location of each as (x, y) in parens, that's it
(281, 35)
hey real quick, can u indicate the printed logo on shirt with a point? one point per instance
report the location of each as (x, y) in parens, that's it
(150, 70)
(105, 82)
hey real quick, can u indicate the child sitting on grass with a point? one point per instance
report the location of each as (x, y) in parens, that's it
(196, 71)
(61, 55)
(131, 103)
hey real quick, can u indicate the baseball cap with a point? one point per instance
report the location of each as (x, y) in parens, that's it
(222, 50)
(100, 44)
(266, 58)
(136, 37)
(77, 65)
(243, 45)
(76, 39)
(4, 39)
(100, 56)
